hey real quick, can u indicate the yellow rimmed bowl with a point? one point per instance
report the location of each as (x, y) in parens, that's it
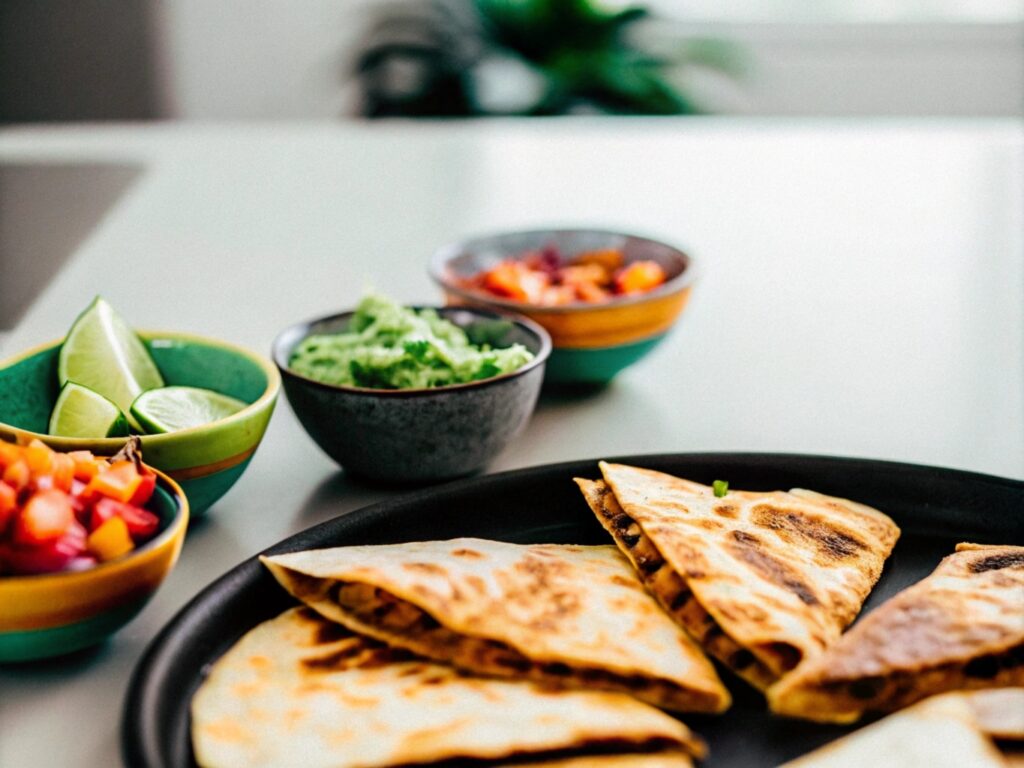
(207, 460)
(592, 342)
(52, 614)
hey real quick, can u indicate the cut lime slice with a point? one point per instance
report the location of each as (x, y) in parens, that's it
(103, 353)
(80, 412)
(172, 408)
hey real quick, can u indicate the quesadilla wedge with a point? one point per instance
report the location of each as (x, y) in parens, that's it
(935, 733)
(760, 580)
(302, 691)
(566, 615)
(960, 628)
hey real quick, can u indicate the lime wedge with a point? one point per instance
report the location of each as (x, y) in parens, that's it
(80, 412)
(169, 409)
(103, 353)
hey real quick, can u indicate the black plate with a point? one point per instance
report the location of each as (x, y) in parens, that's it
(936, 508)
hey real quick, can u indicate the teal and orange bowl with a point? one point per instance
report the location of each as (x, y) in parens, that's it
(592, 342)
(207, 460)
(52, 614)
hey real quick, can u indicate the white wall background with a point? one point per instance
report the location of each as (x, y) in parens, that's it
(287, 59)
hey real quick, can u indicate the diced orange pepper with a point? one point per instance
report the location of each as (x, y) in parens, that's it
(558, 295)
(611, 259)
(87, 466)
(9, 453)
(17, 475)
(516, 281)
(110, 540)
(118, 481)
(639, 276)
(591, 292)
(39, 458)
(63, 471)
(584, 273)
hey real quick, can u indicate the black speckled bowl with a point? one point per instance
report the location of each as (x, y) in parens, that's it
(419, 435)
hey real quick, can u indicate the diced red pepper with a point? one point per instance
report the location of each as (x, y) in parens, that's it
(46, 517)
(8, 505)
(141, 523)
(46, 557)
(145, 490)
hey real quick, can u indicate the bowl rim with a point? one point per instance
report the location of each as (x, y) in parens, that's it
(174, 527)
(436, 268)
(277, 354)
(102, 444)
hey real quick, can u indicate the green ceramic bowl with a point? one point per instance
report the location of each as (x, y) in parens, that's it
(52, 614)
(206, 461)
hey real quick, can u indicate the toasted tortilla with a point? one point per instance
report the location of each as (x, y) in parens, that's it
(658, 760)
(566, 615)
(960, 628)
(936, 733)
(300, 690)
(760, 580)
(999, 712)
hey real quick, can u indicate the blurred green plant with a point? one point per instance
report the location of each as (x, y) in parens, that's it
(527, 57)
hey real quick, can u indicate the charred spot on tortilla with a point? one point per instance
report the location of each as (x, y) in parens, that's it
(997, 562)
(788, 523)
(748, 548)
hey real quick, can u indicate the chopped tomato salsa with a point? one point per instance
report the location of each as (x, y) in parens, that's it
(545, 278)
(68, 511)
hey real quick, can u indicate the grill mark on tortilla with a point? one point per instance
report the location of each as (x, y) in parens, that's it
(726, 510)
(747, 547)
(831, 542)
(675, 599)
(330, 632)
(996, 562)
(424, 568)
(470, 553)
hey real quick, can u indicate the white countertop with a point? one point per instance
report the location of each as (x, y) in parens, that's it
(861, 293)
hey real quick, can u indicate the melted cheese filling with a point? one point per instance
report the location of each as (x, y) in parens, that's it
(898, 690)
(381, 614)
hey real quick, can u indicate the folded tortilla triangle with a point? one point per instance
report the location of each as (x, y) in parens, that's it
(760, 580)
(301, 691)
(574, 616)
(962, 627)
(941, 732)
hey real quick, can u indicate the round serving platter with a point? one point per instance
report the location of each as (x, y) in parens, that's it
(935, 508)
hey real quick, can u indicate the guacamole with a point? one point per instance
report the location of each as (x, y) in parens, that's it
(389, 346)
